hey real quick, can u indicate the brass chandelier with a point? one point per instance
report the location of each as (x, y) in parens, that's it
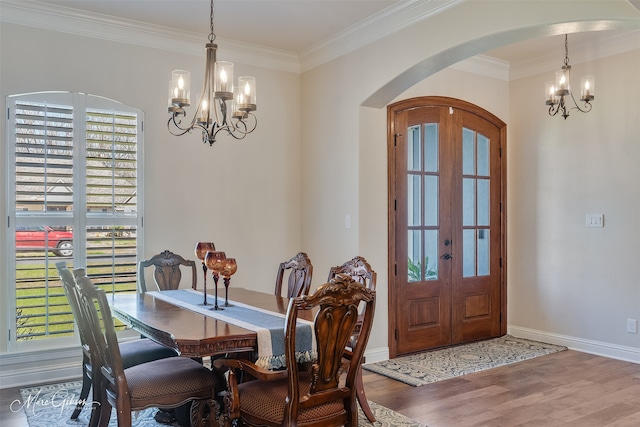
(221, 105)
(557, 91)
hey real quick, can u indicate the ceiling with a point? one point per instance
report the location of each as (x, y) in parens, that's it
(297, 26)
(290, 25)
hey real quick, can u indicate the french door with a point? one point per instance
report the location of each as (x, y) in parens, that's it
(447, 208)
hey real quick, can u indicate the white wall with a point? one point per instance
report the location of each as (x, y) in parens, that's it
(341, 135)
(564, 278)
(242, 195)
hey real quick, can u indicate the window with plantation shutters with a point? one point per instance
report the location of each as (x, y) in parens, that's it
(75, 168)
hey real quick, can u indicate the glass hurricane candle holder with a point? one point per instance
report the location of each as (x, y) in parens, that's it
(201, 251)
(215, 261)
(230, 267)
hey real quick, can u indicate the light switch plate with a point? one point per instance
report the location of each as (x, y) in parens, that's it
(595, 220)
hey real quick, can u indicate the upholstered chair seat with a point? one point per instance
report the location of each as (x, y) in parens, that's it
(254, 405)
(182, 380)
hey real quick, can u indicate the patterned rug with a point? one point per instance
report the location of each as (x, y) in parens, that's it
(52, 405)
(431, 366)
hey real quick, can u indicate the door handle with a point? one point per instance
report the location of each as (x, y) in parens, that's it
(446, 256)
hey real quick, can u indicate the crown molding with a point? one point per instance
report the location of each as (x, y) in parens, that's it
(386, 22)
(403, 14)
(484, 66)
(72, 21)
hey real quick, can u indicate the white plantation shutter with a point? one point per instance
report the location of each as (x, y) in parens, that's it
(74, 166)
(43, 155)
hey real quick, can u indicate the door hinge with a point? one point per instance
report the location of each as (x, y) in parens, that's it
(395, 267)
(395, 138)
(500, 150)
(395, 204)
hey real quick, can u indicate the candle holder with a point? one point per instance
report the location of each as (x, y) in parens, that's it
(215, 261)
(201, 251)
(230, 267)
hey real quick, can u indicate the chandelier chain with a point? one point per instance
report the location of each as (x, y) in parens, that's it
(566, 50)
(212, 34)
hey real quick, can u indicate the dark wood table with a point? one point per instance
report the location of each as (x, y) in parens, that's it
(191, 333)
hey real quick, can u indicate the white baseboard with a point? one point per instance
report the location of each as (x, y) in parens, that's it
(377, 354)
(613, 351)
(32, 368)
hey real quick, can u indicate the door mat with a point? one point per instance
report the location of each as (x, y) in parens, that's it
(436, 365)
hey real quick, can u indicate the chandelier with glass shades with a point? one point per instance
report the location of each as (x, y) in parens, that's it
(221, 105)
(561, 88)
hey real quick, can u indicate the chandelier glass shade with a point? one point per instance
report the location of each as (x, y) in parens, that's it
(221, 106)
(558, 91)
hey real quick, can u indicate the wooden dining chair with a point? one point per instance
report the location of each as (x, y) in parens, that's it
(322, 396)
(167, 272)
(359, 270)
(133, 352)
(166, 383)
(299, 279)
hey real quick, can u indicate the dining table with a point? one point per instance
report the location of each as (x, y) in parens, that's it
(195, 330)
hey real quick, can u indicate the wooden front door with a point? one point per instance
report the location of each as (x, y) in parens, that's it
(447, 207)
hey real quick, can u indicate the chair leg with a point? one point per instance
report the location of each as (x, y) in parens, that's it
(362, 399)
(84, 393)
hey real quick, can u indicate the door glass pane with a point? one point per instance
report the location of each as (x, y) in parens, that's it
(413, 200)
(483, 155)
(414, 162)
(468, 152)
(431, 147)
(414, 269)
(468, 253)
(483, 201)
(483, 252)
(431, 200)
(468, 202)
(430, 265)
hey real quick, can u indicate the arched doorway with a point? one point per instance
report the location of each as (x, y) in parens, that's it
(447, 234)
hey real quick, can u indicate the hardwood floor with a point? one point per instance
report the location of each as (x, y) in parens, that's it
(568, 388)
(562, 389)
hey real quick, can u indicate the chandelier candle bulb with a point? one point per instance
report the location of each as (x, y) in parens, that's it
(238, 98)
(223, 88)
(247, 93)
(562, 81)
(204, 119)
(587, 89)
(550, 91)
(180, 83)
(170, 107)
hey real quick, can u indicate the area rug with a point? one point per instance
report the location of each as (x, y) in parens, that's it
(431, 366)
(52, 405)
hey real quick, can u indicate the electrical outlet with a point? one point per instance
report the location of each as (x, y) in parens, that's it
(632, 326)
